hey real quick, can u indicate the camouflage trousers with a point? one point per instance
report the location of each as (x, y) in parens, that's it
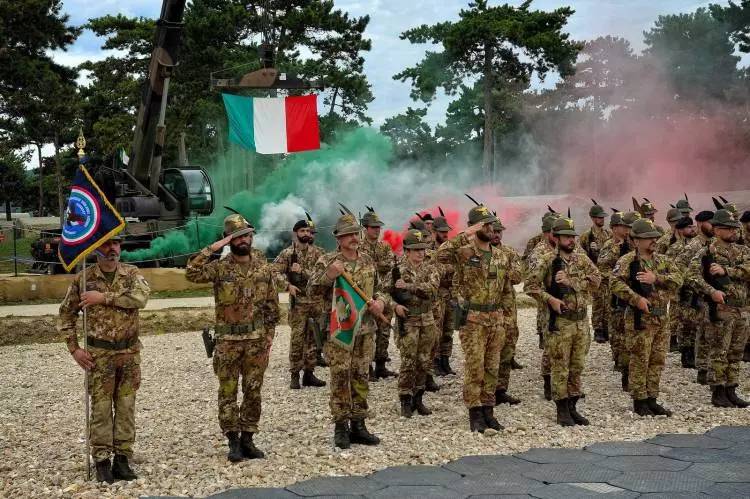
(647, 352)
(382, 339)
(302, 353)
(599, 309)
(617, 338)
(248, 359)
(508, 350)
(567, 349)
(726, 341)
(482, 340)
(113, 382)
(443, 344)
(542, 324)
(350, 375)
(415, 347)
(687, 320)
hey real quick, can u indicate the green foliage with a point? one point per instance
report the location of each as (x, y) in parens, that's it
(737, 18)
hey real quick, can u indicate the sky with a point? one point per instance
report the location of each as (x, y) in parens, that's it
(389, 18)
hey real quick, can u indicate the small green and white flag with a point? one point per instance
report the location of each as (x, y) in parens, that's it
(346, 313)
(124, 158)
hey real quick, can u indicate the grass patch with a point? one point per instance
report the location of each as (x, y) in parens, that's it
(23, 250)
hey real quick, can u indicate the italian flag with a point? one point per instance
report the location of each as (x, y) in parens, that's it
(276, 125)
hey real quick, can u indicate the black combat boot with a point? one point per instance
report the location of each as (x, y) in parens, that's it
(719, 396)
(121, 468)
(418, 405)
(446, 362)
(691, 357)
(541, 341)
(319, 360)
(381, 371)
(673, 345)
(360, 435)
(372, 374)
(599, 336)
(657, 408)
(406, 405)
(489, 418)
(294, 383)
(702, 377)
(547, 387)
(249, 450)
(437, 366)
(731, 393)
(514, 364)
(563, 413)
(624, 382)
(341, 435)
(104, 471)
(476, 420)
(640, 407)
(235, 448)
(606, 333)
(577, 417)
(502, 397)
(309, 379)
(430, 384)
(746, 354)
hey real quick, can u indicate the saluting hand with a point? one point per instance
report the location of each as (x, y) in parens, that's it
(220, 244)
(473, 229)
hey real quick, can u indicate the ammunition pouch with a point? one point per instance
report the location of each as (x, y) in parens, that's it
(111, 345)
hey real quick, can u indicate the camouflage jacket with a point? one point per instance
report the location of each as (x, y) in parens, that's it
(666, 241)
(422, 284)
(668, 280)
(608, 256)
(381, 254)
(735, 258)
(516, 276)
(363, 273)
(244, 293)
(592, 241)
(582, 273)
(531, 244)
(114, 320)
(306, 257)
(444, 272)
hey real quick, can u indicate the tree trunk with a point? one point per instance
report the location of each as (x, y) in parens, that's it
(333, 101)
(41, 185)
(489, 81)
(58, 175)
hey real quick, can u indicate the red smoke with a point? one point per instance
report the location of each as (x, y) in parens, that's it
(395, 240)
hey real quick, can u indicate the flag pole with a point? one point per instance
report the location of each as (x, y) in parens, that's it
(348, 278)
(81, 144)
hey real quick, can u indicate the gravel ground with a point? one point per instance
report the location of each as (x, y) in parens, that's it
(179, 449)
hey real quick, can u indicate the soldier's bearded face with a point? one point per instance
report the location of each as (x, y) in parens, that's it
(688, 232)
(497, 237)
(647, 246)
(349, 242)
(109, 250)
(621, 231)
(485, 233)
(372, 232)
(304, 235)
(707, 229)
(726, 234)
(240, 246)
(441, 236)
(598, 221)
(566, 243)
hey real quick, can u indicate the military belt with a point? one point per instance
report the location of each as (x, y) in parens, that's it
(223, 329)
(734, 302)
(574, 315)
(484, 307)
(111, 345)
(419, 309)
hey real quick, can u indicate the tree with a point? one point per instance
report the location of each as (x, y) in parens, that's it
(503, 47)
(412, 138)
(737, 18)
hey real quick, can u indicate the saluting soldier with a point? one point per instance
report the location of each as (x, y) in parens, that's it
(247, 311)
(113, 295)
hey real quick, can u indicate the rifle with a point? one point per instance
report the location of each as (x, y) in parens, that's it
(400, 296)
(718, 282)
(556, 290)
(615, 302)
(643, 289)
(209, 342)
(296, 279)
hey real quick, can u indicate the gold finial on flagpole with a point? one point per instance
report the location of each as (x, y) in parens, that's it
(81, 144)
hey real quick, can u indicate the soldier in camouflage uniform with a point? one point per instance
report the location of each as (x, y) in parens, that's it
(674, 215)
(443, 348)
(649, 211)
(721, 271)
(644, 272)
(744, 239)
(532, 243)
(294, 265)
(699, 310)
(247, 311)
(415, 292)
(612, 251)
(510, 317)
(684, 311)
(480, 286)
(382, 255)
(545, 246)
(572, 277)
(113, 294)
(349, 368)
(592, 241)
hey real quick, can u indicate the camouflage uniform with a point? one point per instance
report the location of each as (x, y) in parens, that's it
(685, 311)
(610, 253)
(510, 316)
(381, 254)
(567, 347)
(726, 337)
(542, 251)
(114, 345)
(592, 241)
(648, 346)
(530, 245)
(699, 310)
(302, 353)
(247, 311)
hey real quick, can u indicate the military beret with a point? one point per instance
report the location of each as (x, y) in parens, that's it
(684, 222)
(301, 224)
(704, 216)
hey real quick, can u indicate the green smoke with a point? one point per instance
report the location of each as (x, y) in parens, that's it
(320, 178)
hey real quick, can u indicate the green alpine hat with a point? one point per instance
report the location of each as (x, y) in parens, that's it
(564, 227)
(629, 218)
(617, 219)
(480, 214)
(684, 206)
(644, 229)
(725, 218)
(648, 208)
(416, 239)
(371, 219)
(236, 225)
(346, 224)
(548, 219)
(597, 211)
(497, 225)
(674, 215)
(441, 224)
